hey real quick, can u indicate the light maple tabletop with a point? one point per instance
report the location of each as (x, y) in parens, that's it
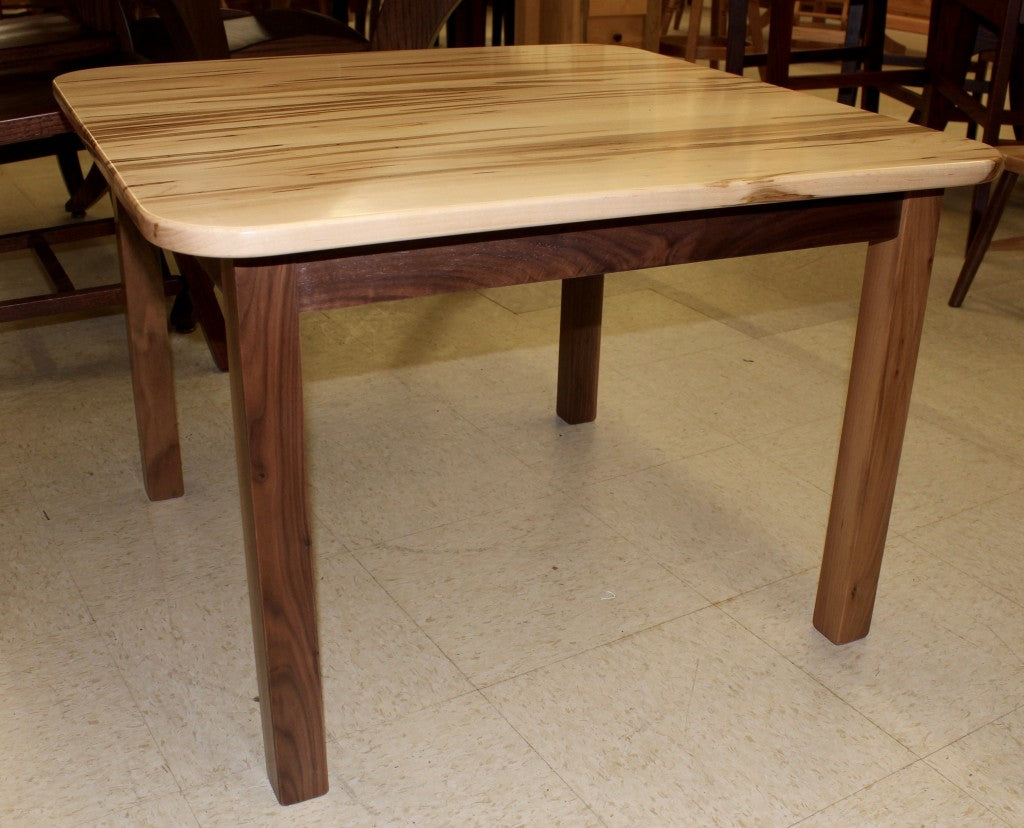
(324, 181)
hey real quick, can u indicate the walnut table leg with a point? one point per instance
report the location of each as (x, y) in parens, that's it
(149, 349)
(579, 348)
(266, 390)
(884, 357)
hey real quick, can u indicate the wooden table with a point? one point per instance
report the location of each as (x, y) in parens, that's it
(328, 181)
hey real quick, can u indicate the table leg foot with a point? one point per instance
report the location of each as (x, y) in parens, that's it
(885, 354)
(579, 349)
(266, 389)
(149, 349)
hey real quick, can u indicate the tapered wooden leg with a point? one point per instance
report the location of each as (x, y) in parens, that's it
(266, 391)
(983, 237)
(149, 349)
(579, 348)
(884, 357)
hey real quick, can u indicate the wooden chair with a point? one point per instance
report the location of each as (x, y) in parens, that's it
(959, 30)
(33, 50)
(862, 53)
(696, 45)
(1013, 161)
(197, 29)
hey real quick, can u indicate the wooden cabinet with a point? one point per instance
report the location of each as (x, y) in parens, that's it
(625, 22)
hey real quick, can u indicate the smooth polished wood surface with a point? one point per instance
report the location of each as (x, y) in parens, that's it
(592, 132)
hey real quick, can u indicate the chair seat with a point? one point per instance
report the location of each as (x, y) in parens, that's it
(33, 49)
(28, 110)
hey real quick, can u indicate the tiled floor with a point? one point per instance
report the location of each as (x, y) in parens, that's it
(524, 622)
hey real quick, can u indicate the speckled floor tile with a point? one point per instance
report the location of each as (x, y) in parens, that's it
(725, 521)
(986, 542)
(247, 799)
(942, 471)
(458, 763)
(944, 657)
(987, 764)
(643, 326)
(186, 654)
(377, 664)
(695, 722)
(406, 463)
(913, 796)
(526, 586)
(746, 390)
(636, 428)
(763, 295)
(152, 812)
(38, 596)
(73, 745)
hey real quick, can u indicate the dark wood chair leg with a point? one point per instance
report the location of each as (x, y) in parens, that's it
(71, 172)
(90, 190)
(983, 236)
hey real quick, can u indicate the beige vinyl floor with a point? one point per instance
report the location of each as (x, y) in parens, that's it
(525, 623)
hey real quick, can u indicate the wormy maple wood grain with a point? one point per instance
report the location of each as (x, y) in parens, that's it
(320, 152)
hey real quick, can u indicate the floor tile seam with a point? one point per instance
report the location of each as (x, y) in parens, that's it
(653, 466)
(856, 793)
(154, 743)
(536, 752)
(509, 505)
(115, 814)
(907, 536)
(337, 778)
(953, 631)
(635, 544)
(154, 740)
(484, 688)
(935, 416)
(628, 370)
(517, 315)
(455, 411)
(422, 630)
(596, 476)
(619, 639)
(483, 685)
(930, 755)
(832, 692)
(929, 760)
(337, 737)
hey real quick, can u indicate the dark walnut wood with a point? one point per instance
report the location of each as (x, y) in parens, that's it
(360, 275)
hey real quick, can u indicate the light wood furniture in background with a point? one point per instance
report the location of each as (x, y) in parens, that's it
(384, 175)
(614, 22)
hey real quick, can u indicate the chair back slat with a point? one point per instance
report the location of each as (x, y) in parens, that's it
(410, 24)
